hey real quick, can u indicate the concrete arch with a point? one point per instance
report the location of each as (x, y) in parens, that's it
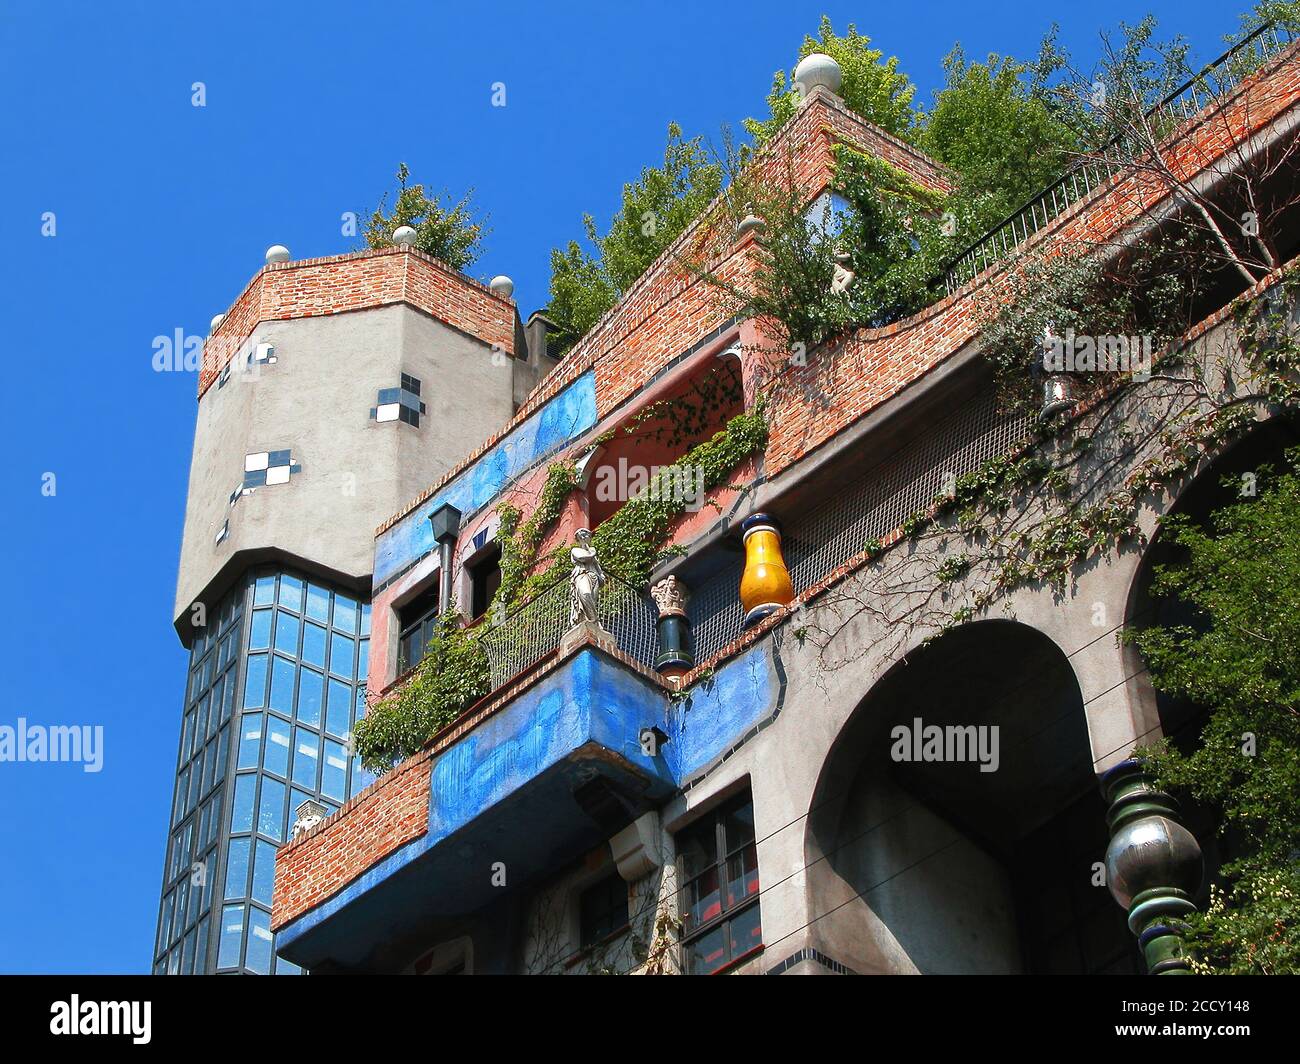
(919, 866)
(1200, 494)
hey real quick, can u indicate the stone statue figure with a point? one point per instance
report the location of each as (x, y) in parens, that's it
(843, 275)
(585, 580)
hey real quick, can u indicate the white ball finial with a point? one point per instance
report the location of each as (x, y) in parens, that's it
(277, 253)
(405, 236)
(215, 324)
(502, 286)
(817, 70)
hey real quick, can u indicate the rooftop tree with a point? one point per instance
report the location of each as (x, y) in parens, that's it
(446, 229)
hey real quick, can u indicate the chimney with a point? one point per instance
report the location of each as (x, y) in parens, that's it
(535, 333)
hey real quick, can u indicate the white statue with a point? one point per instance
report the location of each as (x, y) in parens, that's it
(843, 275)
(585, 580)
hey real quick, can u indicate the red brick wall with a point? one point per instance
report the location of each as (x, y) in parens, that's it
(315, 287)
(854, 378)
(392, 811)
(671, 308)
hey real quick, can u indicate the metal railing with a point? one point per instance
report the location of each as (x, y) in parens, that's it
(880, 500)
(1081, 180)
(531, 632)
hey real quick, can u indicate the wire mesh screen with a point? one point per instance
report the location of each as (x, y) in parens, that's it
(906, 482)
(526, 636)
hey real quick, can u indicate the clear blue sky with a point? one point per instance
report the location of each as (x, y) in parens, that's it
(163, 212)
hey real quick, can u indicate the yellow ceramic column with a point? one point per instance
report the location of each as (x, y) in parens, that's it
(765, 584)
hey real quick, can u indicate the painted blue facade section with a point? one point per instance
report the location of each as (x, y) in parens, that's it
(584, 718)
(740, 695)
(566, 416)
(591, 700)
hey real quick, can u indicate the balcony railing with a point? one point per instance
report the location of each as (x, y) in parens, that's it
(1218, 77)
(530, 633)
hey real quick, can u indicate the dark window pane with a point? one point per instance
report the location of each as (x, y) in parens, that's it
(707, 953)
(602, 910)
(742, 876)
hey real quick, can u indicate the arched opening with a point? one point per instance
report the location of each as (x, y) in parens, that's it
(982, 858)
(1231, 477)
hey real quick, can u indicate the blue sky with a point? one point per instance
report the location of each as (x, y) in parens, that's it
(163, 211)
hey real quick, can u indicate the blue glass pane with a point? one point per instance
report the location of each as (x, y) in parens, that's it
(237, 869)
(223, 748)
(282, 687)
(255, 685)
(216, 818)
(291, 592)
(286, 632)
(334, 776)
(345, 614)
(228, 706)
(258, 958)
(264, 872)
(241, 816)
(306, 756)
(228, 649)
(284, 967)
(250, 740)
(365, 618)
(313, 645)
(277, 747)
(218, 697)
(340, 706)
(270, 811)
(259, 636)
(310, 696)
(264, 594)
(201, 722)
(361, 777)
(318, 603)
(363, 659)
(232, 936)
(341, 652)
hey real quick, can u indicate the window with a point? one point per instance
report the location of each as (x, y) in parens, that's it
(416, 621)
(719, 871)
(602, 910)
(400, 404)
(484, 579)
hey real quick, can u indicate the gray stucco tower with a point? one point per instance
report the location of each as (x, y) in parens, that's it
(331, 393)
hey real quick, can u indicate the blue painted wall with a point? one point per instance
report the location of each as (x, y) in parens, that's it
(569, 414)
